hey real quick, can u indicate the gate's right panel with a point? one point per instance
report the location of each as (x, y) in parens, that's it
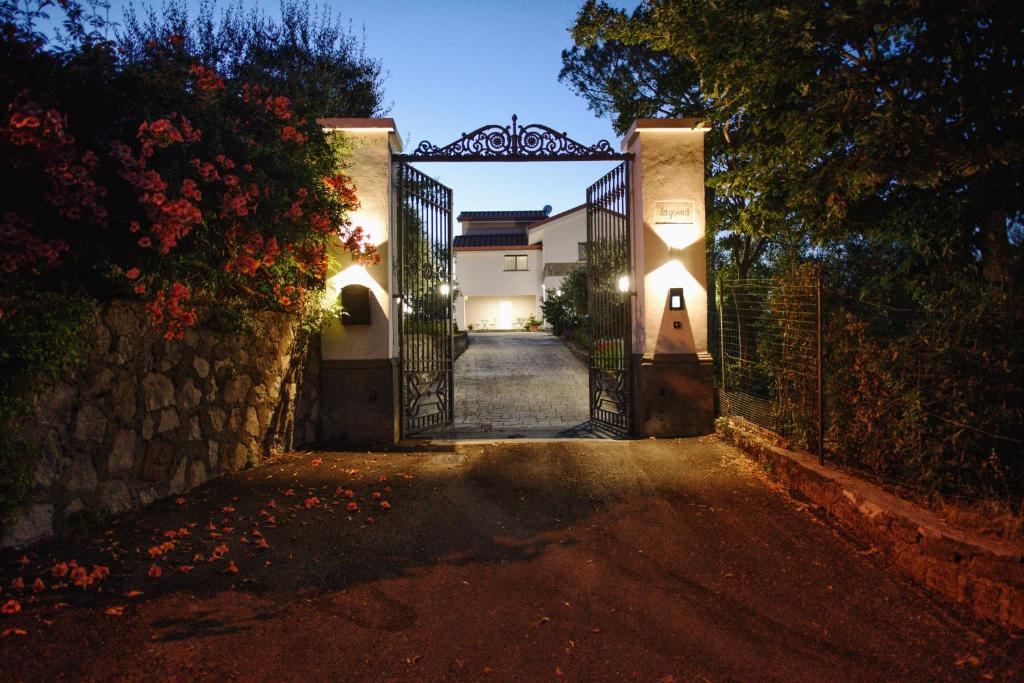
(609, 268)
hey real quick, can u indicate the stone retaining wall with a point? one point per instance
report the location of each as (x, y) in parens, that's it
(582, 355)
(985, 574)
(147, 418)
(461, 343)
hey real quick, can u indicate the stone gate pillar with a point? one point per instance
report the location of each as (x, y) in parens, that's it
(673, 390)
(359, 366)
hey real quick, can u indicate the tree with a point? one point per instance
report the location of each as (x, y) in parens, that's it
(884, 140)
(894, 120)
(308, 55)
(566, 309)
(628, 81)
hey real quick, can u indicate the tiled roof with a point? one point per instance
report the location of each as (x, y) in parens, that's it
(503, 215)
(491, 240)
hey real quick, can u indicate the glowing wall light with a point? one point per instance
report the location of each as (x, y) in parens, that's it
(624, 284)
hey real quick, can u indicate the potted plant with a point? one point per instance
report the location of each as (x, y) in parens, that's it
(532, 324)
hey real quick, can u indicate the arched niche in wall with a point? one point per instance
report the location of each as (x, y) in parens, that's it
(356, 301)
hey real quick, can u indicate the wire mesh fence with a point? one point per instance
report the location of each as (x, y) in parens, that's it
(770, 355)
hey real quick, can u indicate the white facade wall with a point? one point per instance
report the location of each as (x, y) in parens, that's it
(369, 166)
(489, 292)
(482, 276)
(497, 312)
(561, 237)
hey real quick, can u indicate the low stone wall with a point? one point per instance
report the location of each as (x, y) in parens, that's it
(147, 417)
(582, 355)
(985, 574)
(461, 343)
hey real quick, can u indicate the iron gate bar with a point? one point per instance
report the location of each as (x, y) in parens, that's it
(424, 265)
(608, 259)
(533, 142)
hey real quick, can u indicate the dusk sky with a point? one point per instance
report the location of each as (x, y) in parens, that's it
(460, 64)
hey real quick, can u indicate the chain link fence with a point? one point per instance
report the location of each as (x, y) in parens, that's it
(769, 338)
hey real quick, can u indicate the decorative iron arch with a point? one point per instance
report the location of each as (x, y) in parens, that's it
(534, 142)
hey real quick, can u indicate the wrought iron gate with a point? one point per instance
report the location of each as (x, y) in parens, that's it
(609, 272)
(423, 281)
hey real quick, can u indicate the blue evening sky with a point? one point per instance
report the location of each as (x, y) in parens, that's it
(455, 65)
(458, 64)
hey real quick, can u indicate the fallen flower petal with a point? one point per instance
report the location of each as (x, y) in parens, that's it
(12, 606)
(179, 500)
(352, 507)
(384, 505)
(154, 571)
(134, 594)
(232, 568)
(13, 632)
(115, 611)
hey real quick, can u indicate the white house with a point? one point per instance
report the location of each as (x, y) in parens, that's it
(505, 261)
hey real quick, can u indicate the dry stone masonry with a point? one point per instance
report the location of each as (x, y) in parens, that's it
(147, 418)
(985, 574)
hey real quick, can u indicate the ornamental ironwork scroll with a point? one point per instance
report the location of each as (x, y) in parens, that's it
(533, 142)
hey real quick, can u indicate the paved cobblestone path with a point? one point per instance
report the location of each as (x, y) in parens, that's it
(511, 384)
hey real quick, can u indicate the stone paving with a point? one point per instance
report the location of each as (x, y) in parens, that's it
(510, 384)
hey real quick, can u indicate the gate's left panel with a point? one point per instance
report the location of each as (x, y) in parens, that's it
(359, 380)
(423, 283)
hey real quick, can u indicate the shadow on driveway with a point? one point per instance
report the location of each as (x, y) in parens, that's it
(592, 560)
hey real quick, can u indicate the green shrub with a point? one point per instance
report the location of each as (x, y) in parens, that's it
(931, 392)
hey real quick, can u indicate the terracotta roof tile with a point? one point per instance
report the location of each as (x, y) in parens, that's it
(502, 215)
(485, 240)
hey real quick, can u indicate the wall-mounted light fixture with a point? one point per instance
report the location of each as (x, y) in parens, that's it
(445, 289)
(624, 284)
(355, 300)
(676, 302)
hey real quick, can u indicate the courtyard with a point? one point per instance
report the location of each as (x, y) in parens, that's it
(585, 559)
(516, 385)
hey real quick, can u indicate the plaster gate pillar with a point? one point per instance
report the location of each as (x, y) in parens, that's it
(359, 366)
(673, 388)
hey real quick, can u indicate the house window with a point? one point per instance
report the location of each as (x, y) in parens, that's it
(516, 262)
(581, 251)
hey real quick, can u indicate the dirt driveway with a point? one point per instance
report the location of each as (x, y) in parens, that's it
(573, 560)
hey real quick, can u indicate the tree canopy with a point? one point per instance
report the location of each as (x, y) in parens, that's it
(833, 120)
